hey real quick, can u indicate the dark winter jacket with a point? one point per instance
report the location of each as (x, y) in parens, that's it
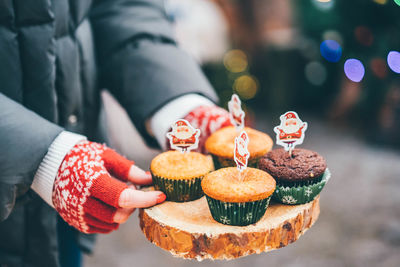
(54, 57)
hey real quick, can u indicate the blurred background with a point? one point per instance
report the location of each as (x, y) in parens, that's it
(337, 63)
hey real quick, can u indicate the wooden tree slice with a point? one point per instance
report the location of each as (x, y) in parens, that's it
(187, 229)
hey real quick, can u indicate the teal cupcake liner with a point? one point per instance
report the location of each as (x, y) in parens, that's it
(179, 190)
(221, 162)
(294, 195)
(238, 214)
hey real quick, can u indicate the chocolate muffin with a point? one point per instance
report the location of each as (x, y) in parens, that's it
(303, 167)
(299, 177)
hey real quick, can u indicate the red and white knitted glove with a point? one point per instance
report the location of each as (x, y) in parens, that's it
(89, 199)
(208, 119)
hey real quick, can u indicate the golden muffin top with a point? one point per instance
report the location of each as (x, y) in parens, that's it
(224, 185)
(177, 165)
(222, 142)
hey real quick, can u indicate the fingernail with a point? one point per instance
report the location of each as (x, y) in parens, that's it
(117, 217)
(161, 198)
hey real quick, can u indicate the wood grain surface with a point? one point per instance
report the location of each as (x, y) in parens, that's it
(187, 229)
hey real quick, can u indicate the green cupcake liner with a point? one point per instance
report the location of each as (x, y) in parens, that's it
(179, 190)
(238, 214)
(300, 183)
(221, 162)
(294, 195)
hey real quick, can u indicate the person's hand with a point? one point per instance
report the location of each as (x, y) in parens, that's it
(208, 119)
(89, 199)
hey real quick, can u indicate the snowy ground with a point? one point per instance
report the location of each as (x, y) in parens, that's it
(359, 224)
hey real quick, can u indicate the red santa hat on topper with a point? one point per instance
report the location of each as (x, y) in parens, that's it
(243, 135)
(290, 115)
(236, 99)
(181, 123)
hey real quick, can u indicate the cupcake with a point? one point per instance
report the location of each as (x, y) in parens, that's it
(238, 202)
(179, 175)
(299, 178)
(221, 146)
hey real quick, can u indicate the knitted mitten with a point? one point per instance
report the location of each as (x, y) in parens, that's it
(84, 193)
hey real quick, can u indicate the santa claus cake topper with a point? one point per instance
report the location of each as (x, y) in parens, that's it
(183, 136)
(241, 153)
(236, 112)
(291, 131)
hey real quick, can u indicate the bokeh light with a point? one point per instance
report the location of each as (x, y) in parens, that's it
(364, 35)
(381, 2)
(331, 50)
(354, 69)
(378, 67)
(397, 2)
(323, 5)
(393, 60)
(315, 73)
(235, 61)
(246, 86)
(333, 35)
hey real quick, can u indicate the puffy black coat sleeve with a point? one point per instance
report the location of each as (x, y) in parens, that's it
(24, 140)
(138, 58)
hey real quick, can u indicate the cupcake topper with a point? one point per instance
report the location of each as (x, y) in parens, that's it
(183, 136)
(291, 131)
(236, 112)
(241, 153)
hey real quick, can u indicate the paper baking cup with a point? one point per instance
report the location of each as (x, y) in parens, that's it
(179, 190)
(238, 214)
(301, 194)
(221, 162)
